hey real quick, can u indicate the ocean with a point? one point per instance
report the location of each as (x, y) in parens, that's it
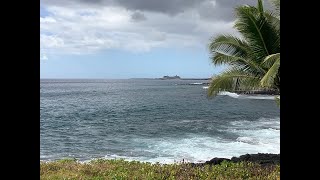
(151, 120)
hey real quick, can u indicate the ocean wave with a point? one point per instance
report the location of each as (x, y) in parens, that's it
(261, 123)
(243, 96)
(264, 132)
(202, 148)
(226, 93)
(267, 97)
(197, 149)
(248, 140)
(153, 122)
(259, 136)
(196, 83)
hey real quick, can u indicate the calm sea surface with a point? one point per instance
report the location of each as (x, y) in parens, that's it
(152, 120)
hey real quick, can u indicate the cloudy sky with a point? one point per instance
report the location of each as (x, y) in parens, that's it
(131, 38)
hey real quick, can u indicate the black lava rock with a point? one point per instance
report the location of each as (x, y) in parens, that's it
(260, 158)
(216, 160)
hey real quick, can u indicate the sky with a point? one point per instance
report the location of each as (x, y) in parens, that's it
(120, 39)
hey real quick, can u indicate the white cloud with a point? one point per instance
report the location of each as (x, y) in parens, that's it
(47, 20)
(90, 29)
(43, 57)
(48, 41)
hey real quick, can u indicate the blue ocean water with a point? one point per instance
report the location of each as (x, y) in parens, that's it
(152, 120)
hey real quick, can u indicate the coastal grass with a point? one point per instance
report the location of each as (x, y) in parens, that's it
(120, 169)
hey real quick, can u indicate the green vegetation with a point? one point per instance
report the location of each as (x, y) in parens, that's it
(254, 58)
(120, 169)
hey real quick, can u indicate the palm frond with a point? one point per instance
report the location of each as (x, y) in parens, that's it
(231, 80)
(246, 64)
(276, 4)
(275, 23)
(233, 51)
(274, 20)
(253, 59)
(258, 31)
(260, 6)
(229, 46)
(269, 77)
(270, 60)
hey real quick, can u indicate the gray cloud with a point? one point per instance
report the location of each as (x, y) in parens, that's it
(171, 7)
(223, 9)
(84, 26)
(233, 3)
(164, 6)
(227, 3)
(138, 16)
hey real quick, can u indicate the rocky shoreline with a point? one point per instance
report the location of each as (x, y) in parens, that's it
(264, 159)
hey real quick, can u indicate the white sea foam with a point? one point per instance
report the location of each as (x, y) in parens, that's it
(226, 93)
(197, 83)
(253, 137)
(260, 136)
(47, 157)
(243, 96)
(195, 148)
(200, 149)
(187, 121)
(248, 140)
(264, 132)
(205, 87)
(270, 97)
(262, 123)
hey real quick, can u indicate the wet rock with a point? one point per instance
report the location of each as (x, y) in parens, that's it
(260, 158)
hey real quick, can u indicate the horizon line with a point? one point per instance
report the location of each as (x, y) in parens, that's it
(127, 78)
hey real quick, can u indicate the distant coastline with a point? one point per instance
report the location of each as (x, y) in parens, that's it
(86, 79)
(176, 77)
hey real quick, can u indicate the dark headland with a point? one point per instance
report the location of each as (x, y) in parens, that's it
(264, 159)
(178, 77)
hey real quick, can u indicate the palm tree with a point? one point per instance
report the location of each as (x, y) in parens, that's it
(254, 58)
